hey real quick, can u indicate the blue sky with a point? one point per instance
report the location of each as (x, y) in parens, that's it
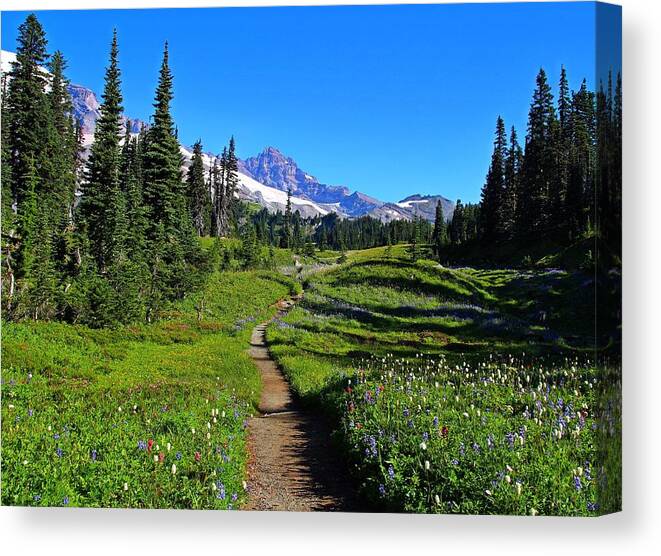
(389, 100)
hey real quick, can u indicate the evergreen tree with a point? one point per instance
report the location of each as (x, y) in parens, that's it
(440, 231)
(27, 103)
(199, 202)
(131, 186)
(64, 158)
(297, 232)
(512, 176)
(174, 254)
(249, 248)
(163, 186)
(101, 199)
(539, 164)
(38, 287)
(492, 224)
(458, 225)
(416, 240)
(9, 241)
(580, 183)
(286, 240)
(217, 187)
(231, 185)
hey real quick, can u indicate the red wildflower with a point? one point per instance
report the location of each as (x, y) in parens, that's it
(348, 390)
(150, 443)
(444, 432)
(381, 388)
(359, 426)
(161, 457)
(197, 456)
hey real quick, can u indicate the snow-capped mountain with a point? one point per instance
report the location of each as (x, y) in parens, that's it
(273, 168)
(266, 178)
(277, 170)
(250, 189)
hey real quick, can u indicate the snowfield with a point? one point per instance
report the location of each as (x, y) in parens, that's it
(409, 204)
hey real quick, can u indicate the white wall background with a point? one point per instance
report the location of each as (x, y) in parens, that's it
(637, 530)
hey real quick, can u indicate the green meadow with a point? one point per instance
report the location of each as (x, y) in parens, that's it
(458, 390)
(148, 415)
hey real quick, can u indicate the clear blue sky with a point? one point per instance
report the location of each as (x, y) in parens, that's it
(389, 100)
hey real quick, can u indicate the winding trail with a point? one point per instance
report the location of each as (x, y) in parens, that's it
(292, 466)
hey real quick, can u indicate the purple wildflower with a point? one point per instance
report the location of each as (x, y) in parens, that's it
(577, 483)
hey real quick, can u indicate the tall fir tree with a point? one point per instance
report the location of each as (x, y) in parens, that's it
(199, 202)
(458, 225)
(173, 252)
(492, 225)
(539, 165)
(231, 183)
(440, 232)
(164, 190)
(27, 104)
(286, 239)
(513, 165)
(64, 153)
(101, 198)
(580, 166)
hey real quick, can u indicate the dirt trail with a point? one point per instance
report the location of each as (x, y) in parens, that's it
(292, 466)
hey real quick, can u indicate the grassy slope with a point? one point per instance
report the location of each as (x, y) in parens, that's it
(382, 305)
(378, 305)
(77, 401)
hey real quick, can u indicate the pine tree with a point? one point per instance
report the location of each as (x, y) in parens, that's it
(231, 185)
(64, 155)
(28, 125)
(249, 249)
(416, 240)
(512, 178)
(9, 240)
(199, 202)
(492, 225)
(174, 255)
(581, 160)
(163, 186)
(439, 237)
(101, 190)
(217, 187)
(564, 102)
(458, 225)
(539, 165)
(37, 298)
(286, 240)
(297, 232)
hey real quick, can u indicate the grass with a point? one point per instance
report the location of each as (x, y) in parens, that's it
(461, 390)
(80, 406)
(375, 336)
